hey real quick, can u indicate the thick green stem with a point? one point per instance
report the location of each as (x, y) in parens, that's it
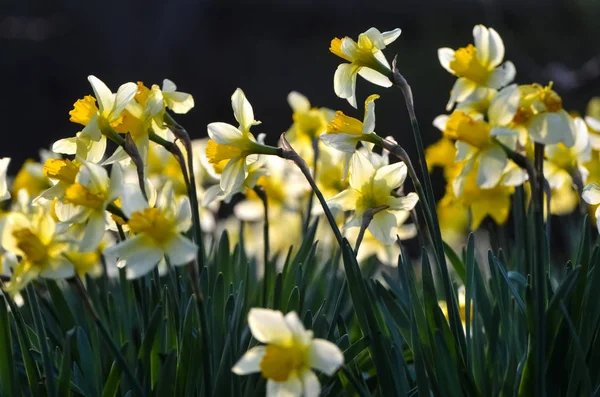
(41, 331)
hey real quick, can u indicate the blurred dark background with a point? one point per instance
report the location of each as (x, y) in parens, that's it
(209, 48)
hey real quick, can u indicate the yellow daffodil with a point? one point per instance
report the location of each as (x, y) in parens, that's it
(537, 111)
(4, 193)
(477, 66)
(372, 188)
(34, 238)
(344, 132)
(231, 149)
(309, 123)
(365, 58)
(155, 232)
(85, 201)
(288, 355)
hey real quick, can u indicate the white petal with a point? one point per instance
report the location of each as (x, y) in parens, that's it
(181, 251)
(342, 142)
(92, 129)
(460, 91)
(325, 356)
(446, 56)
(440, 122)
(233, 176)
(591, 194)
(344, 82)
(312, 387)
(168, 86)
(502, 75)
(140, 257)
(268, 326)
(133, 199)
(94, 232)
(344, 200)
(4, 194)
(369, 120)
(482, 43)
(179, 102)
(65, 146)
(582, 147)
(361, 171)
(593, 123)
(125, 94)
(116, 182)
(242, 110)
(464, 151)
(383, 227)
(299, 333)
(504, 105)
(491, 165)
(298, 102)
(391, 36)
(211, 194)
(374, 77)
(103, 95)
(59, 269)
(93, 176)
(250, 361)
(392, 175)
(376, 37)
(290, 388)
(552, 128)
(183, 219)
(92, 151)
(224, 133)
(405, 203)
(496, 46)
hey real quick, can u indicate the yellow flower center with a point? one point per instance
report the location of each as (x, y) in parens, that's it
(142, 94)
(466, 64)
(62, 170)
(80, 195)
(154, 223)
(343, 124)
(336, 48)
(280, 362)
(311, 123)
(219, 155)
(31, 246)
(83, 110)
(463, 128)
(536, 99)
(84, 262)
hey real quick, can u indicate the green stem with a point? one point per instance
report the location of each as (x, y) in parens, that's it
(41, 331)
(315, 144)
(260, 192)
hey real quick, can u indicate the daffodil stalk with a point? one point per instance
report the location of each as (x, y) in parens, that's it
(41, 331)
(366, 219)
(434, 227)
(287, 152)
(315, 145)
(260, 192)
(116, 351)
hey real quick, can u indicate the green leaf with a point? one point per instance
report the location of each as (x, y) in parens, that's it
(64, 376)
(7, 375)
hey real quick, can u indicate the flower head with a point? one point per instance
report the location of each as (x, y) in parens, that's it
(288, 354)
(365, 58)
(477, 66)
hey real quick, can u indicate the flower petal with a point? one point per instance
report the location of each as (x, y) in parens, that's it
(325, 356)
(344, 200)
(361, 171)
(269, 326)
(94, 232)
(103, 95)
(298, 102)
(445, 56)
(504, 105)
(405, 203)
(383, 227)
(224, 133)
(460, 91)
(233, 176)
(392, 176)
(374, 77)
(482, 43)
(502, 75)
(491, 166)
(250, 361)
(181, 250)
(310, 382)
(290, 388)
(496, 47)
(552, 128)
(344, 82)
(591, 194)
(179, 102)
(391, 36)
(125, 94)
(242, 110)
(342, 142)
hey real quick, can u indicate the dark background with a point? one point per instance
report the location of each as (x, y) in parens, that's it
(208, 48)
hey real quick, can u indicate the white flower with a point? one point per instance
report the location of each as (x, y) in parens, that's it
(155, 232)
(477, 66)
(591, 195)
(4, 193)
(371, 188)
(366, 59)
(288, 356)
(178, 102)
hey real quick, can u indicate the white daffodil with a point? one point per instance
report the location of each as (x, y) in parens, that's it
(85, 201)
(344, 132)
(477, 66)
(34, 238)
(574, 157)
(594, 131)
(231, 149)
(4, 193)
(371, 188)
(155, 232)
(110, 107)
(288, 355)
(366, 59)
(591, 195)
(178, 102)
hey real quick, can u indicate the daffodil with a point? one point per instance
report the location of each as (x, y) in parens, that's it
(85, 201)
(34, 238)
(477, 66)
(231, 149)
(344, 132)
(178, 102)
(309, 123)
(155, 232)
(288, 355)
(62, 174)
(4, 193)
(572, 158)
(372, 188)
(31, 177)
(365, 58)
